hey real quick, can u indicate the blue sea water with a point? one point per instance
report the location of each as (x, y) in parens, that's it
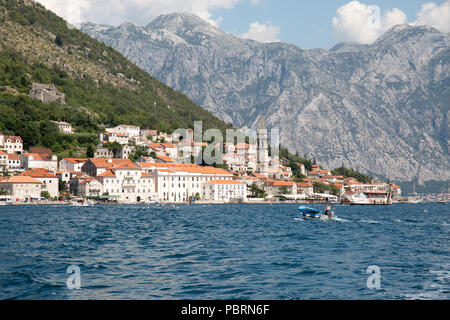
(224, 252)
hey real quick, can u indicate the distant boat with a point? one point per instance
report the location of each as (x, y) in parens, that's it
(6, 201)
(81, 203)
(442, 201)
(371, 198)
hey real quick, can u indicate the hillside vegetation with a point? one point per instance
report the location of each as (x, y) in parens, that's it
(102, 87)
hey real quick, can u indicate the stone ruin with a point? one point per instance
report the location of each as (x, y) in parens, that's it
(46, 93)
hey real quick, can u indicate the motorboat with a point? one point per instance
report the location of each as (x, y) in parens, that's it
(316, 214)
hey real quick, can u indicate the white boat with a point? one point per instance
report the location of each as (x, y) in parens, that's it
(371, 198)
(81, 203)
(6, 201)
(360, 198)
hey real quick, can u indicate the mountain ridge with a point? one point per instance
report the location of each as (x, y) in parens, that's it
(379, 108)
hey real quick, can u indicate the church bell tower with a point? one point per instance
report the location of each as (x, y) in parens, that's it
(262, 153)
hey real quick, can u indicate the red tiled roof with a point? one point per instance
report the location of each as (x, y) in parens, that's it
(13, 156)
(40, 150)
(165, 159)
(224, 182)
(242, 146)
(107, 173)
(38, 173)
(304, 185)
(13, 138)
(185, 167)
(76, 160)
(20, 179)
(39, 157)
(278, 183)
(106, 163)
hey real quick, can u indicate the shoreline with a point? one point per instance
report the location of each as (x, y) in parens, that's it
(61, 203)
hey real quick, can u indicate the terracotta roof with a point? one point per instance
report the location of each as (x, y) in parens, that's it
(38, 173)
(40, 150)
(242, 146)
(166, 170)
(124, 166)
(165, 165)
(76, 160)
(144, 174)
(165, 159)
(278, 183)
(39, 157)
(62, 123)
(168, 145)
(106, 163)
(107, 173)
(313, 172)
(185, 167)
(259, 176)
(13, 156)
(223, 182)
(20, 179)
(13, 138)
(304, 185)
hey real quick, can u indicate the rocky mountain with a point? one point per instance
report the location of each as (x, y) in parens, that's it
(381, 108)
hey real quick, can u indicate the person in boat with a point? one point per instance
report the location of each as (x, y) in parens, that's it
(327, 209)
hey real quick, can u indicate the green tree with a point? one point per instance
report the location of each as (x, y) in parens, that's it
(45, 194)
(59, 41)
(256, 192)
(90, 151)
(283, 190)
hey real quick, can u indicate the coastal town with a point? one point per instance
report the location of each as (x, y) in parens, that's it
(165, 174)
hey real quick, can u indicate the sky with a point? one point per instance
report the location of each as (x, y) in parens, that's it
(307, 24)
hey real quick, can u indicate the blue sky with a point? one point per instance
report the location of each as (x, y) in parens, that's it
(308, 24)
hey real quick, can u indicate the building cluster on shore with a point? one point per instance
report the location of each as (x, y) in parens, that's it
(164, 175)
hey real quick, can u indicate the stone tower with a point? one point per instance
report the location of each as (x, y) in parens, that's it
(262, 152)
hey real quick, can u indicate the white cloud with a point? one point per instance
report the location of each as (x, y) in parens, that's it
(357, 22)
(262, 32)
(115, 12)
(434, 16)
(362, 23)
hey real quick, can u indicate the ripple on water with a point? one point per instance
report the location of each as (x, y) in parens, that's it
(223, 252)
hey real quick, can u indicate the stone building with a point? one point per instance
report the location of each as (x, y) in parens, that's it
(46, 93)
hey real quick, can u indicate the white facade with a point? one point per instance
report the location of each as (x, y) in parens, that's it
(34, 160)
(49, 182)
(71, 164)
(11, 144)
(64, 127)
(130, 131)
(224, 190)
(181, 182)
(14, 163)
(21, 188)
(127, 185)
